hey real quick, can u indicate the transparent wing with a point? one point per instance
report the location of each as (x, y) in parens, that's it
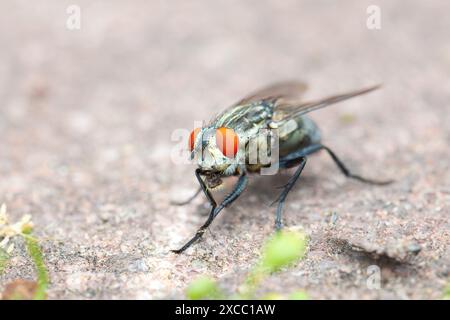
(281, 90)
(285, 110)
(244, 109)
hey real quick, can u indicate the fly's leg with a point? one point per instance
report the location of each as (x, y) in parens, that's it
(202, 187)
(198, 234)
(215, 210)
(189, 200)
(213, 203)
(347, 172)
(282, 197)
(290, 159)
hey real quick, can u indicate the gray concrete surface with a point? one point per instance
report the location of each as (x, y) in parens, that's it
(86, 118)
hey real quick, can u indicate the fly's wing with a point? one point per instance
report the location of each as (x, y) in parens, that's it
(281, 90)
(285, 110)
(256, 108)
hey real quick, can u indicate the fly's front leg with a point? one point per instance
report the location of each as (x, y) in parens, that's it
(205, 189)
(199, 232)
(215, 210)
(282, 197)
(202, 187)
(347, 172)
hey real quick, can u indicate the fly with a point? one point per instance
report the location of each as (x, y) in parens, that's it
(223, 148)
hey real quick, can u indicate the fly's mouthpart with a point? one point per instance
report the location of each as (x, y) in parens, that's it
(213, 180)
(217, 187)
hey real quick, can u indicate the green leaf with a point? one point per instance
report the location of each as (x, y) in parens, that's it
(447, 292)
(4, 257)
(35, 252)
(283, 249)
(203, 287)
(272, 296)
(299, 295)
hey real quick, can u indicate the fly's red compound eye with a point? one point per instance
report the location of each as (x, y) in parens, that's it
(227, 141)
(192, 138)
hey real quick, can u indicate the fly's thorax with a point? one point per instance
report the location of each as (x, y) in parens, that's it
(258, 149)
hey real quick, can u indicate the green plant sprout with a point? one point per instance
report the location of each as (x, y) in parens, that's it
(4, 257)
(203, 287)
(282, 250)
(446, 295)
(23, 228)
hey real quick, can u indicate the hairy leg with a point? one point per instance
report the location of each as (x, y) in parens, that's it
(215, 210)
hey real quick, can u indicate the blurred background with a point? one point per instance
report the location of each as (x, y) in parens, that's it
(86, 117)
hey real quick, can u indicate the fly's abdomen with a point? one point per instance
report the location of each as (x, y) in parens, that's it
(294, 134)
(297, 133)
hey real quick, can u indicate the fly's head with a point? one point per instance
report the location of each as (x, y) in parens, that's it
(217, 153)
